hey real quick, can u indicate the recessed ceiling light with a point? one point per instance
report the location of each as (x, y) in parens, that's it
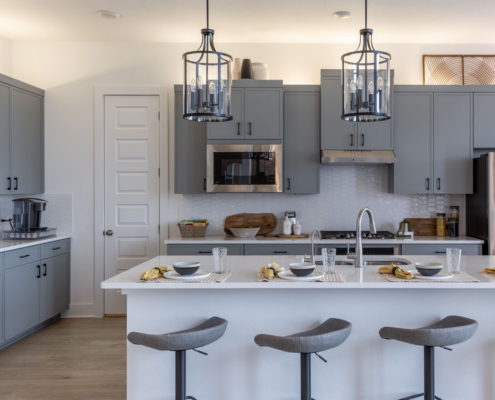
(108, 14)
(342, 14)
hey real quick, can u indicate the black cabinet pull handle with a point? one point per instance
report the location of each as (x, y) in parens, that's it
(204, 252)
(438, 184)
(362, 139)
(250, 132)
(280, 252)
(56, 248)
(440, 252)
(39, 271)
(288, 181)
(238, 128)
(27, 255)
(352, 139)
(204, 185)
(16, 184)
(427, 183)
(10, 183)
(45, 271)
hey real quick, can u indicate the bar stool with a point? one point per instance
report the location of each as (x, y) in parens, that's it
(181, 341)
(332, 333)
(447, 332)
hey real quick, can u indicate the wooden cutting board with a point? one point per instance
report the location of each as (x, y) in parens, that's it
(423, 226)
(267, 222)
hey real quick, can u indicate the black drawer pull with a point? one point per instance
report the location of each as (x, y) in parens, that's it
(440, 252)
(204, 252)
(56, 248)
(16, 184)
(27, 255)
(280, 252)
(44, 273)
(39, 271)
(10, 184)
(238, 128)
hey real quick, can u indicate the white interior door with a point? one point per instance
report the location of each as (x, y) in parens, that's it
(132, 187)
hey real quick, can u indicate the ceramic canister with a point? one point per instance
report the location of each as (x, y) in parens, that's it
(247, 69)
(260, 71)
(236, 71)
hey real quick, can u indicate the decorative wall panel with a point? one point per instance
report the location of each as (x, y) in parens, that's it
(459, 70)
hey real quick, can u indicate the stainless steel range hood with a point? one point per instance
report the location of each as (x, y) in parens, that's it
(358, 157)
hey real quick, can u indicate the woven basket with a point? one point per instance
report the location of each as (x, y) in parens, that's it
(193, 231)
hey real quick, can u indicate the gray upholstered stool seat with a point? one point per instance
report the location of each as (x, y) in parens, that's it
(199, 336)
(332, 333)
(447, 332)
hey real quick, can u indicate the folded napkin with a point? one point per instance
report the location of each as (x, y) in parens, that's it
(397, 271)
(155, 273)
(489, 271)
(271, 270)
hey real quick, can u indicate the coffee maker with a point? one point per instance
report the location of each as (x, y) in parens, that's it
(27, 215)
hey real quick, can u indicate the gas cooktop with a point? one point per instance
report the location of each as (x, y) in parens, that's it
(352, 235)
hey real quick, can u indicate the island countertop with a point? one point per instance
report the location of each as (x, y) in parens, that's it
(245, 271)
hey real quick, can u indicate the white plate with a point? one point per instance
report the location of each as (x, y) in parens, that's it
(438, 277)
(291, 277)
(197, 275)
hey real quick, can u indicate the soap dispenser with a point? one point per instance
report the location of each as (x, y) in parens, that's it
(287, 226)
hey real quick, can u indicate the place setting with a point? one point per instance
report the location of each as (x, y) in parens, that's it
(190, 271)
(303, 271)
(429, 271)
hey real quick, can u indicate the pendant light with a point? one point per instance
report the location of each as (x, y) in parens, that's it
(366, 81)
(207, 80)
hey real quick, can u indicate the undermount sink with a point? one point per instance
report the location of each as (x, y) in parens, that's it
(405, 262)
(336, 263)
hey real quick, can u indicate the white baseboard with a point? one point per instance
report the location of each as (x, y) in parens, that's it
(81, 310)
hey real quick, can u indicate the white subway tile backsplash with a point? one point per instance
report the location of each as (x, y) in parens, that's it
(344, 191)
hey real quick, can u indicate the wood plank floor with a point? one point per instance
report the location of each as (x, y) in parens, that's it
(70, 359)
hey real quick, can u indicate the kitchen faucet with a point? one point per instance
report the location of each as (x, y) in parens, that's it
(313, 244)
(358, 253)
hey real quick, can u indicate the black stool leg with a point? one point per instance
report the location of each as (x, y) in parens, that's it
(305, 376)
(429, 373)
(180, 375)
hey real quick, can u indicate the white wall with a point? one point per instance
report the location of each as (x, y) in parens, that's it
(68, 71)
(5, 56)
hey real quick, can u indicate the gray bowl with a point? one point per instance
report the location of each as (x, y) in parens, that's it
(245, 233)
(186, 267)
(428, 269)
(302, 269)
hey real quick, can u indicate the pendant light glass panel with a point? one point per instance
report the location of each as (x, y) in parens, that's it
(207, 83)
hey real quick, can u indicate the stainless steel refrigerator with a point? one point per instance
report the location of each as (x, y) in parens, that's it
(480, 206)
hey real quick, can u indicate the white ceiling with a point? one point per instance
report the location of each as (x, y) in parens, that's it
(249, 21)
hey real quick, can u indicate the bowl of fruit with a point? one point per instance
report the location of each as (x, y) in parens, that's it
(245, 231)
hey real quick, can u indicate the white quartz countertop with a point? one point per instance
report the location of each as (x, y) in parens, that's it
(245, 272)
(228, 239)
(7, 245)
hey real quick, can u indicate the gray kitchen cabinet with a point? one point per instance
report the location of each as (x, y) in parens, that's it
(21, 138)
(484, 128)
(413, 127)
(54, 288)
(439, 250)
(302, 139)
(203, 249)
(337, 134)
(22, 256)
(5, 176)
(234, 129)
(453, 143)
(22, 298)
(276, 249)
(190, 151)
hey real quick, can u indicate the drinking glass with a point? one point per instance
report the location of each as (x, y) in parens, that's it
(220, 259)
(328, 260)
(454, 260)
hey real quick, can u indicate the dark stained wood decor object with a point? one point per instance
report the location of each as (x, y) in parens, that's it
(266, 221)
(458, 69)
(423, 226)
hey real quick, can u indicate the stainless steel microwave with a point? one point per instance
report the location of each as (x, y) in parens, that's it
(245, 168)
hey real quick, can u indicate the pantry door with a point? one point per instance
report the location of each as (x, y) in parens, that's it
(132, 187)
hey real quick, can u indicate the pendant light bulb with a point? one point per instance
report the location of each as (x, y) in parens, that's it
(371, 87)
(193, 85)
(353, 86)
(212, 87)
(360, 82)
(380, 83)
(200, 82)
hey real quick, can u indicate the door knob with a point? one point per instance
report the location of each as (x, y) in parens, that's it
(109, 233)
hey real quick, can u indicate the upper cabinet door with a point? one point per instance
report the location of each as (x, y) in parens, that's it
(232, 129)
(5, 182)
(375, 135)
(263, 115)
(413, 127)
(453, 143)
(336, 134)
(484, 128)
(27, 144)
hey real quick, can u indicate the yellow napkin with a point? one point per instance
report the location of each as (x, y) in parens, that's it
(271, 269)
(489, 271)
(395, 270)
(155, 273)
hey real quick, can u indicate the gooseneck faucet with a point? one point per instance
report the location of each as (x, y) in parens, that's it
(358, 253)
(313, 244)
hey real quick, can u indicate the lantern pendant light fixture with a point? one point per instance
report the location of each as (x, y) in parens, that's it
(207, 80)
(366, 81)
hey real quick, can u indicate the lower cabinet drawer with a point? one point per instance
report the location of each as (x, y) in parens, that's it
(203, 249)
(281, 249)
(439, 250)
(22, 256)
(53, 249)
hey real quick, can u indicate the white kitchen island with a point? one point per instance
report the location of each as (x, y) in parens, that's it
(364, 367)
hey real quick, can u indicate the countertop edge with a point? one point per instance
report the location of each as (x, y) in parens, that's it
(15, 245)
